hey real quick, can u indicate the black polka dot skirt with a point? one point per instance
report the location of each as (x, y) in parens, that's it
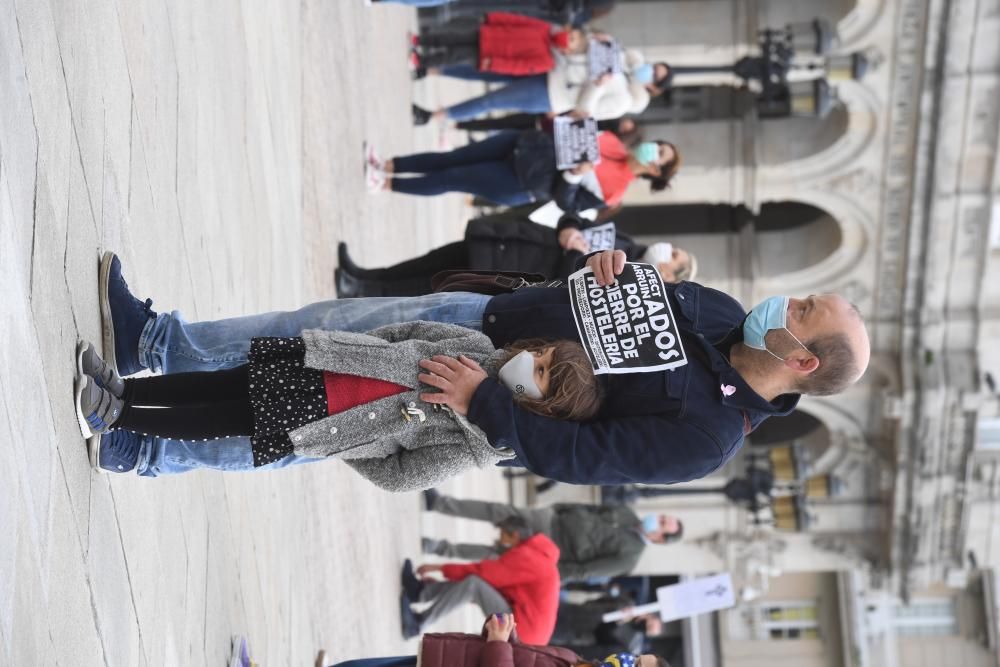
(285, 395)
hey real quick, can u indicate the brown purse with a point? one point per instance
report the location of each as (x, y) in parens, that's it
(487, 282)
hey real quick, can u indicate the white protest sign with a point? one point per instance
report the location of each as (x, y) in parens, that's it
(601, 237)
(628, 326)
(575, 140)
(684, 600)
(604, 58)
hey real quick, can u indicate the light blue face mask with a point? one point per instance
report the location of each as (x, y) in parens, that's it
(648, 152)
(644, 73)
(768, 315)
(651, 523)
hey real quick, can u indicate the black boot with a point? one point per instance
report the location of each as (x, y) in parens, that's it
(351, 287)
(421, 116)
(347, 264)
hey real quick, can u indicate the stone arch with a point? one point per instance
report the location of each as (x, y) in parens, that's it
(845, 434)
(791, 237)
(855, 30)
(853, 223)
(838, 151)
(794, 139)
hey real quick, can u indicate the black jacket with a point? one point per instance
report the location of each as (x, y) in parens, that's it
(534, 163)
(509, 241)
(654, 428)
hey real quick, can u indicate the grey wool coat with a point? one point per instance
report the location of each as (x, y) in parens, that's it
(399, 442)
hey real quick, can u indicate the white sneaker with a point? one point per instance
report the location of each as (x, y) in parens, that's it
(372, 158)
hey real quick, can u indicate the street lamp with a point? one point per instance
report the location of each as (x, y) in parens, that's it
(791, 70)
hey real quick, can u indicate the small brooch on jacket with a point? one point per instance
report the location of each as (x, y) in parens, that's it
(410, 410)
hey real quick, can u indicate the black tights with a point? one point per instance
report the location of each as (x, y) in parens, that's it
(189, 406)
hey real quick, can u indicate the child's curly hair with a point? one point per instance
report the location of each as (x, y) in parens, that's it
(574, 392)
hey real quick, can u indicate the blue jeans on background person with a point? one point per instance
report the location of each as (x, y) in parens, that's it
(482, 168)
(519, 93)
(168, 344)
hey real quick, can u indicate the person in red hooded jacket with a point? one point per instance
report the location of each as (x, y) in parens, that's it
(523, 580)
(503, 43)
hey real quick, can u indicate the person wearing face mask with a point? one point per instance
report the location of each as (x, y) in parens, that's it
(341, 395)
(505, 241)
(593, 540)
(515, 168)
(565, 88)
(653, 428)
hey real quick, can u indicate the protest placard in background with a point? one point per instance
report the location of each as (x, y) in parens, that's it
(684, 600)
(604, 58)
(628, 326)
(601, 237)
(576, 141)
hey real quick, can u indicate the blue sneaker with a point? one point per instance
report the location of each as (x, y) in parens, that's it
(123, 317)
(115, 451)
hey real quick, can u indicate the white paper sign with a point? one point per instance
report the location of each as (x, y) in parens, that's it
(601, 237)
(628, 326)
(684, 600)
(604, 58)
(575, 140)
(695, 596)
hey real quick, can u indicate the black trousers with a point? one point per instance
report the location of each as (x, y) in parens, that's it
(456, 43)
(189, 406)
(413, 277)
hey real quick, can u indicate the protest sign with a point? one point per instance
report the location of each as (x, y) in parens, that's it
(576, 141)
(601, 237)
(684, 600)
(604, 58)
(628, 326)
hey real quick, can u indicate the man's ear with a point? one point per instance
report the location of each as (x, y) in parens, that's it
(804, 362)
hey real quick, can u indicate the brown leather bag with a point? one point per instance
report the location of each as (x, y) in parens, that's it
(487, 282)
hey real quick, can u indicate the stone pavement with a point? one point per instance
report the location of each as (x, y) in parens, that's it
(217, 147)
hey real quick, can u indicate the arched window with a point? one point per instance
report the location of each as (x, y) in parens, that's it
(791, 236)
(784, 238)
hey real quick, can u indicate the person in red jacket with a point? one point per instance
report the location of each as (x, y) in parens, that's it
(524, 580)
(503, 43)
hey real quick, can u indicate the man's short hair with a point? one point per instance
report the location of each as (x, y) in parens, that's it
(676, 535)
(516, 525)
(837, 365)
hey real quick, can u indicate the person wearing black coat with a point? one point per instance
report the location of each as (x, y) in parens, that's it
(507, 241)
(511, 168)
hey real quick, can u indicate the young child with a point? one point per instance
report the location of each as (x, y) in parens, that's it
(340, 394)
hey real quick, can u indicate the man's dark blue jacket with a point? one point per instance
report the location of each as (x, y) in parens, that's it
(660, 427)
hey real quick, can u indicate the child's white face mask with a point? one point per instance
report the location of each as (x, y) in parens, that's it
(518, 375)
(659, 253)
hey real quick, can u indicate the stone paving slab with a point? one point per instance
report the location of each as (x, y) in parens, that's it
(217, 147)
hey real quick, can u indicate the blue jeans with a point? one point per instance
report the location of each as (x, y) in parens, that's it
(168, 344)
(529, 94)
(482, 169)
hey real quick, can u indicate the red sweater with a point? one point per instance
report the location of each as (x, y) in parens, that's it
(612, 171)
(528, 578)
(515, 44)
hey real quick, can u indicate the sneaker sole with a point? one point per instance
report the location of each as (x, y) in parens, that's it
(94, 453)
(81, 419)
(107, 325)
